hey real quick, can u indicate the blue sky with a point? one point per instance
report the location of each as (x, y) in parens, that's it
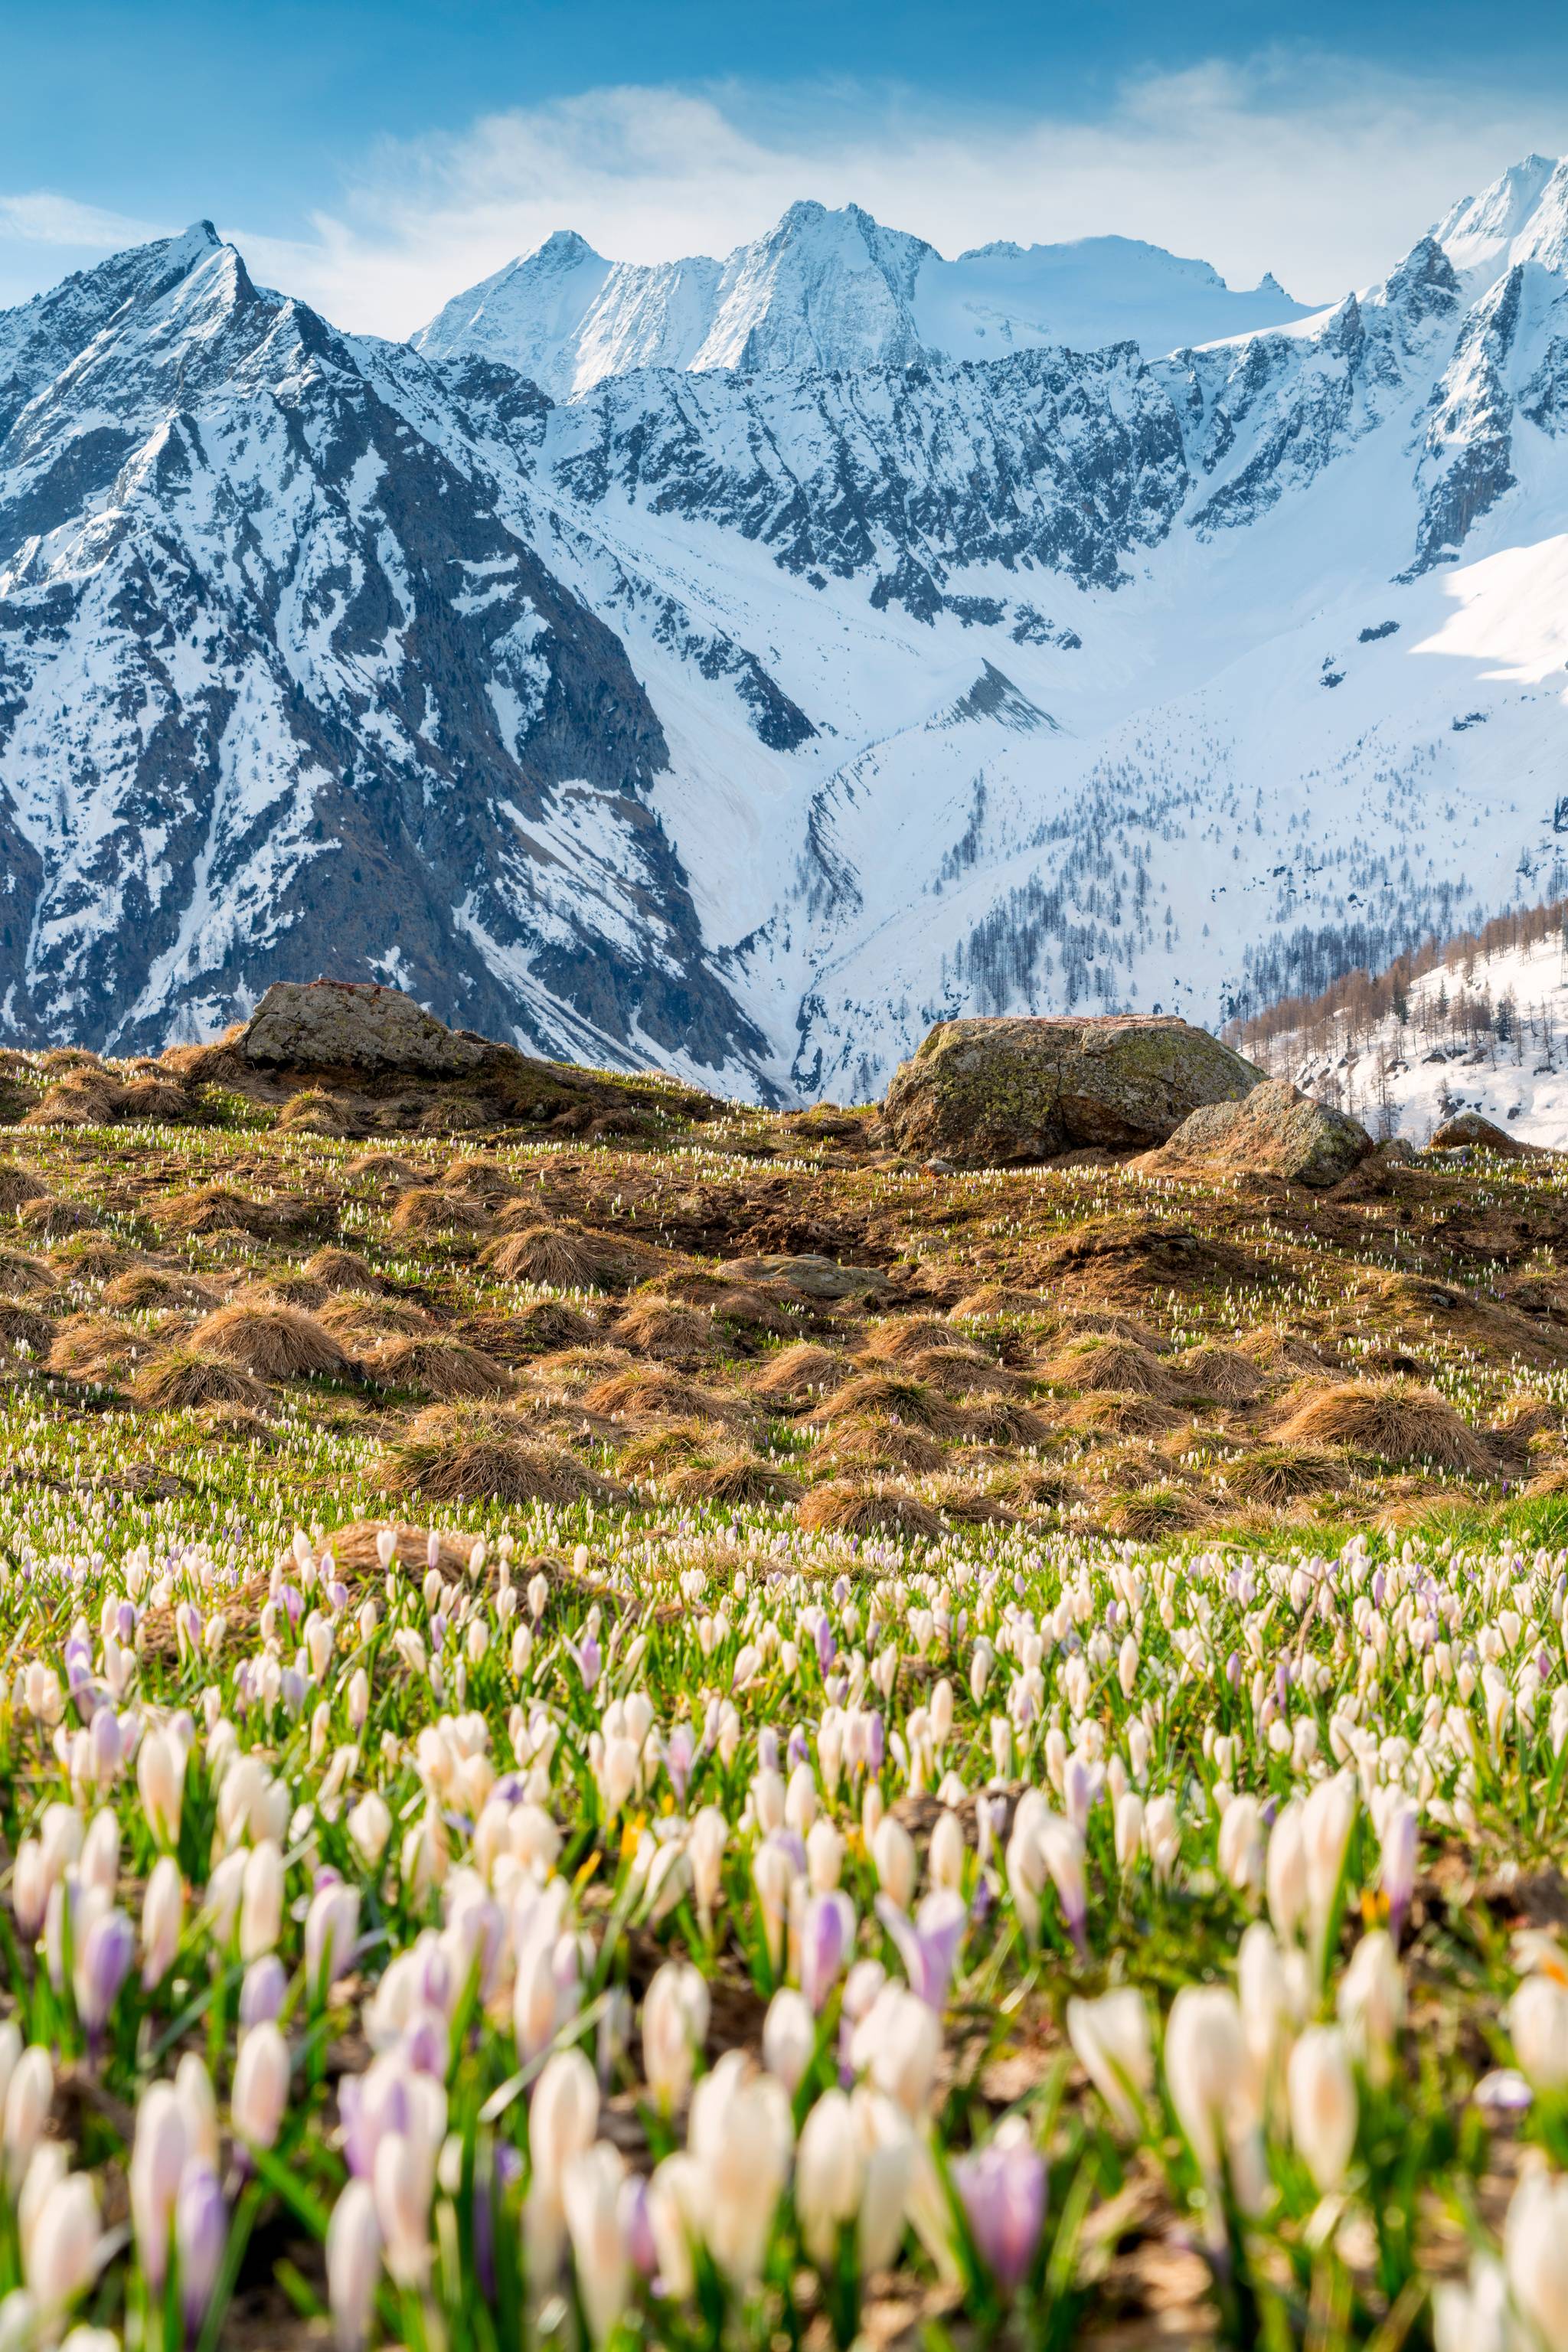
(376, 158)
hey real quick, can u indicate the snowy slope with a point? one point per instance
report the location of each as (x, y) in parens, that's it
(746, 716)
(833, 291)
(1485, 1031)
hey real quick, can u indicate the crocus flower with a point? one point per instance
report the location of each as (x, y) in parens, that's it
(928, 1944)
(1003, 2189)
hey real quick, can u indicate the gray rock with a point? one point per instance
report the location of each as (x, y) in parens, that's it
(334, 1024)
(817, 1277)
(1470, 1131)
(1276, 1131)
(983, 1093)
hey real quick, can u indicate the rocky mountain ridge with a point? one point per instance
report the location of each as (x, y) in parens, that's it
(746, 720)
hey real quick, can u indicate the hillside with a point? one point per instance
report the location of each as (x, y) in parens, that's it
(518, 1580)
(1479, 1023)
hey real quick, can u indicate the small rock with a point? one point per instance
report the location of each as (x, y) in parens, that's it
(1470, 1130)
(816, 1278)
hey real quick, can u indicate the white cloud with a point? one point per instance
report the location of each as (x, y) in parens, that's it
(1322, 172)
(1305, 164)
(41, 217)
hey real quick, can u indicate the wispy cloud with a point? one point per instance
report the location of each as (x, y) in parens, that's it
(39, 216)
(1301, 163)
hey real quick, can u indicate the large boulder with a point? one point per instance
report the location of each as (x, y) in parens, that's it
(339, 1024)
(984, 1093)
(1468, 1131)
(1276, 1131)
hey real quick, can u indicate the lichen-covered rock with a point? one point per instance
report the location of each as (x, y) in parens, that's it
(984, 1092)
(334, 1024)
(1470, 1131)
(1276, 1130)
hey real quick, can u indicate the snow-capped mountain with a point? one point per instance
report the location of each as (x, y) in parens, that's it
(830, 292)
(747, 716)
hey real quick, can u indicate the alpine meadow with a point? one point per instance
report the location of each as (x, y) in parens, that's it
(784, 1191)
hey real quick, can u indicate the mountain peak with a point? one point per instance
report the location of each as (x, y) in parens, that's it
(832, 289)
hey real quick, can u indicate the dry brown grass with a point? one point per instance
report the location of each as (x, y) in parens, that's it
(1110, 1412)
(1004, 1420)
(150, 1287)
(382, 1168)
(733, 1478)
(1390, 1419)
(313, 1112)
(838, 1507)
(644, 1392)
(440, 1368)
(274, 1343)
(93, 1257)
(466, 1453)
(487, 1179)
(19, 1272)
(211, 1208)
(548, 1256)
(18, 1184)
(50, 1219)
(356, 1319)
(182, 1378)
(884, 1445)
(996, 1299)
(666, 1447)
(1275, 1474)
(796, 1376)
(283, 1286)
(425, 1212)
(1222, 1374)
(960, 1372)
(91, 1348)
(234, 1424)
(1109, 1364)
(24, 1327)
(1157, 1512)
(681, 1336)
(886, 1395)
(904, 1341)
(738, 1303)
(343, 1269)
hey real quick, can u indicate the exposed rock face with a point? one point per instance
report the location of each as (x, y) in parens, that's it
(1276, 1131)
(1470, 1130)
(332, 1024)
(988, 1093)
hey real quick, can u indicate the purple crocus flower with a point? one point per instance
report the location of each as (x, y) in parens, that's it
(103, 1964)
(876, 1741)
(261, 1993)
(1002, 2188)
(201, 2233)
(636, 2226)
(827, 1647)
(107, 1746)
(1233, 1669)
(928, 1944)
(827, 1937)
(799, 1748)
(589, 1659)
(679, 1749)
(767, 1750)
